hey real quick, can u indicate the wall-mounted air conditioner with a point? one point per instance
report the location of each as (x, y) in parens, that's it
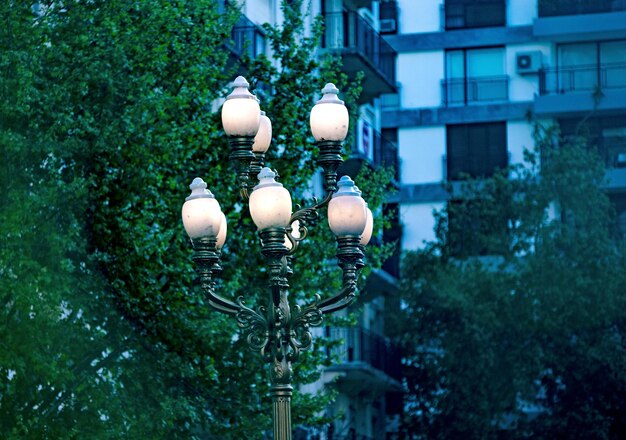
(388, 16)
(528, 62)
(388, 25)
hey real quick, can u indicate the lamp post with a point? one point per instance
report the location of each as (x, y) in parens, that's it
(279, 331)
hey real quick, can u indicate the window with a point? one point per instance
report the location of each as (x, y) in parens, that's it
(461, 14)
(607, 135)
(476, 150)
(552, 8)
(466, 229)
(475, 75)
(587, 66)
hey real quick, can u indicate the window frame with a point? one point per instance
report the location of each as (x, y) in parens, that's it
(488, 163)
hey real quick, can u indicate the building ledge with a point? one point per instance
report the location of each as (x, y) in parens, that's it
(615, 181)
(568, 104)
(580, 27)
(424, 193)
(417, 117)
(380, 283)
(356, 377)
(476, 37)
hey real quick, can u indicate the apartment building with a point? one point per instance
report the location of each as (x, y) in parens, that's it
(471, 73)
(366, 372)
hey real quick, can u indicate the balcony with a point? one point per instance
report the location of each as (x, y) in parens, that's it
(568, 91)
(554, 8)
(463, 14)
(582, 78)
(247, 40)
(356, 4)
(366, 360)
(386, 154)
(373, 149)
(361, 49)
(463, 91)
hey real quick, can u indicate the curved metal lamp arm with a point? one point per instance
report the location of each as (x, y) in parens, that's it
(350, 256)
(221, 304)
(207, 259)
(342, 300)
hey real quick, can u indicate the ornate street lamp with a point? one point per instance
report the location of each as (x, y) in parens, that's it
(279, 332)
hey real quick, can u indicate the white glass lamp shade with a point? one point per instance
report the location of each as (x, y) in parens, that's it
(270, 203)
(329, 117)
(263, 137)
(347, 214)
(241, 112)
(295, 233)
(201, 212)
(369, 228)
(221, 235)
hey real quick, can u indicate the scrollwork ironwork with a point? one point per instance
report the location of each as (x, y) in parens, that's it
(276, 332)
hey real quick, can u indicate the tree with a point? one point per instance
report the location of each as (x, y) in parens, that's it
(527, 340)
(104, 120)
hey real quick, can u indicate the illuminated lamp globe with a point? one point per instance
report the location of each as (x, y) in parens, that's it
(347, 214)
(295, 233)
(329, 116)
(221, 235)
(270, 203)
(369, 228)
(263, 137)
(241, 112)
(201, 212)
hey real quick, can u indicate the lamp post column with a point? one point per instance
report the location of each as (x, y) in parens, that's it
(281, 402)
(274, 330)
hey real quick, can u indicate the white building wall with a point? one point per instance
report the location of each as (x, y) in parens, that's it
(419, 224)
(260, 11)
(419, 16)
(420, 75)
(521, 12)
(519, 138)
(524, 87)
(421, 152)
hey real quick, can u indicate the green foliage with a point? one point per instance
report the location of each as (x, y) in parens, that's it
(527, 340)
(105, 118)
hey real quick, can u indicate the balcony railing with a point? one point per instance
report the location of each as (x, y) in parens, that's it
(461, 91)
(473, 14)
(582, 78)
(348, 31)
(247, 39)
(553, 8)
(361, 345)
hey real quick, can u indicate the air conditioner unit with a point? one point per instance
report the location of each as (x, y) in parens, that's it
(528, 62)
(388, 25)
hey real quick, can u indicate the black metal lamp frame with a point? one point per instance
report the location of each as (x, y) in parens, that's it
(279, 332)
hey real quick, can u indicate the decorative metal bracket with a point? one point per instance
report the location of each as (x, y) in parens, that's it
(241, 153)
(278, 333)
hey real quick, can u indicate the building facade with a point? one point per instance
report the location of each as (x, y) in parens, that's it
(451, 89)
(474, 74)
(366, 369)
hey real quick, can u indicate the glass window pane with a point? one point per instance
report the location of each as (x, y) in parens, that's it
(455, 64)
(577, 54)
(578, 66)
(613, 64)
(613, 52)
(485, 62)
